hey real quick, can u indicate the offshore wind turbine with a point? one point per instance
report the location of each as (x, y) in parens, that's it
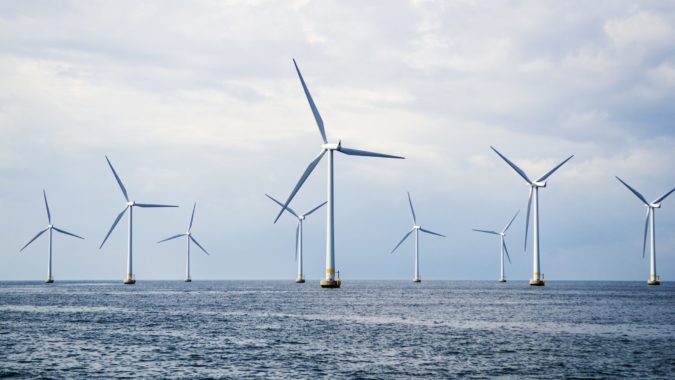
(300, 278)
(50, 228)
(416, 228)
(533, 201)
(329, 281)
(129, 279)
(189, 237)
(649, 224)
(502, 246)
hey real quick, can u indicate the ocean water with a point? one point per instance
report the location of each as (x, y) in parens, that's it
(367, 329)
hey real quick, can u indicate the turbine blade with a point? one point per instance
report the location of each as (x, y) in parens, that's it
(145, 205)
(315, 208)
(282, 205)
(302, 180)
(506, 250)
(658, 200)
(67, 233)
(199, 245)
(527, 218)
(33, 239)
(171, 237)
(431, 232)
(113, 226)
(644, 241)
(637, 194)
(356, 152)
(543, 178)
(315, 111)
(192, 218)
(119, 181)
(402, 240)
(412, 210)
(512, 219)
(514, 166)
(487, 232)
(49, 215)
(297, 240)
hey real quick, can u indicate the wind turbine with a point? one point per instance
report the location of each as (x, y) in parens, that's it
(502, 246)
(188, 237)
(298, 236)
(329, 281)
(130, 279)
(649, 223)
(537, 278)
(50, 228)
(416, 228)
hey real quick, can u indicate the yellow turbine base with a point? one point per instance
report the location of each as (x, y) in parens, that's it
(653, 282)
(330, 283)
(537, 282)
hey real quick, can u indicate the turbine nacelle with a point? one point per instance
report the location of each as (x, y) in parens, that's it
(332, 146)
(539, 184)
(131, 203)
(301, 217)
(654, 205)
(417, 227)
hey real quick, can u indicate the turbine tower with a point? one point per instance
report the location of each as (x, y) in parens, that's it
(533, 201)
(50, 228)
(649, 224)
(189, 237)
(329, 281)
(129, 279)
(300, 278)
(416, 228)
(502, 246)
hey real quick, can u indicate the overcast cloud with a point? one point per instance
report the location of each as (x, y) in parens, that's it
(199, 101)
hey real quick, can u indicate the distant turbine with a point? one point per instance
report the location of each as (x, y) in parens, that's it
(329, 281)
(188, 237)
(130, 279)
(49, 228)
(298, 236)
(649, 223)
(502, 247)
(416, 228)
(537, 279)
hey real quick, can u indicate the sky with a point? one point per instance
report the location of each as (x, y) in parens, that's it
(199, 102)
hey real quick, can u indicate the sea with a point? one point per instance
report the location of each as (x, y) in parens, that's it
(364, 330)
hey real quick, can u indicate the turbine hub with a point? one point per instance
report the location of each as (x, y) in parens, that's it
(655, 205)
(539, 184)
(131, 203)
(417, 227)
(301, 217)
(50, 226)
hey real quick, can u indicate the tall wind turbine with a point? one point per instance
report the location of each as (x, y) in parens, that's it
(649, 224)
(329, 280)
(300, 278)
(189, 237)
(50, 228)
(502, 246)
(537, 278)
(416, 228)
(129, 279)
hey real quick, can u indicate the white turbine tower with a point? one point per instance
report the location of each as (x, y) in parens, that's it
(329, 281)
(298, 236)
(50, 228)
(188, 237)
(416, 228)
(649, 224)
(502, 246)
(129, 279)
(537, 278)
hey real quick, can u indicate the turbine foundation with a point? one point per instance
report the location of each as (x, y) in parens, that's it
(417, 280)
(188, 279)
(502, 279)
(654, 282)
(537, 282)
(300, 280)
(130, 280)
(330, 283)
(49, 280)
